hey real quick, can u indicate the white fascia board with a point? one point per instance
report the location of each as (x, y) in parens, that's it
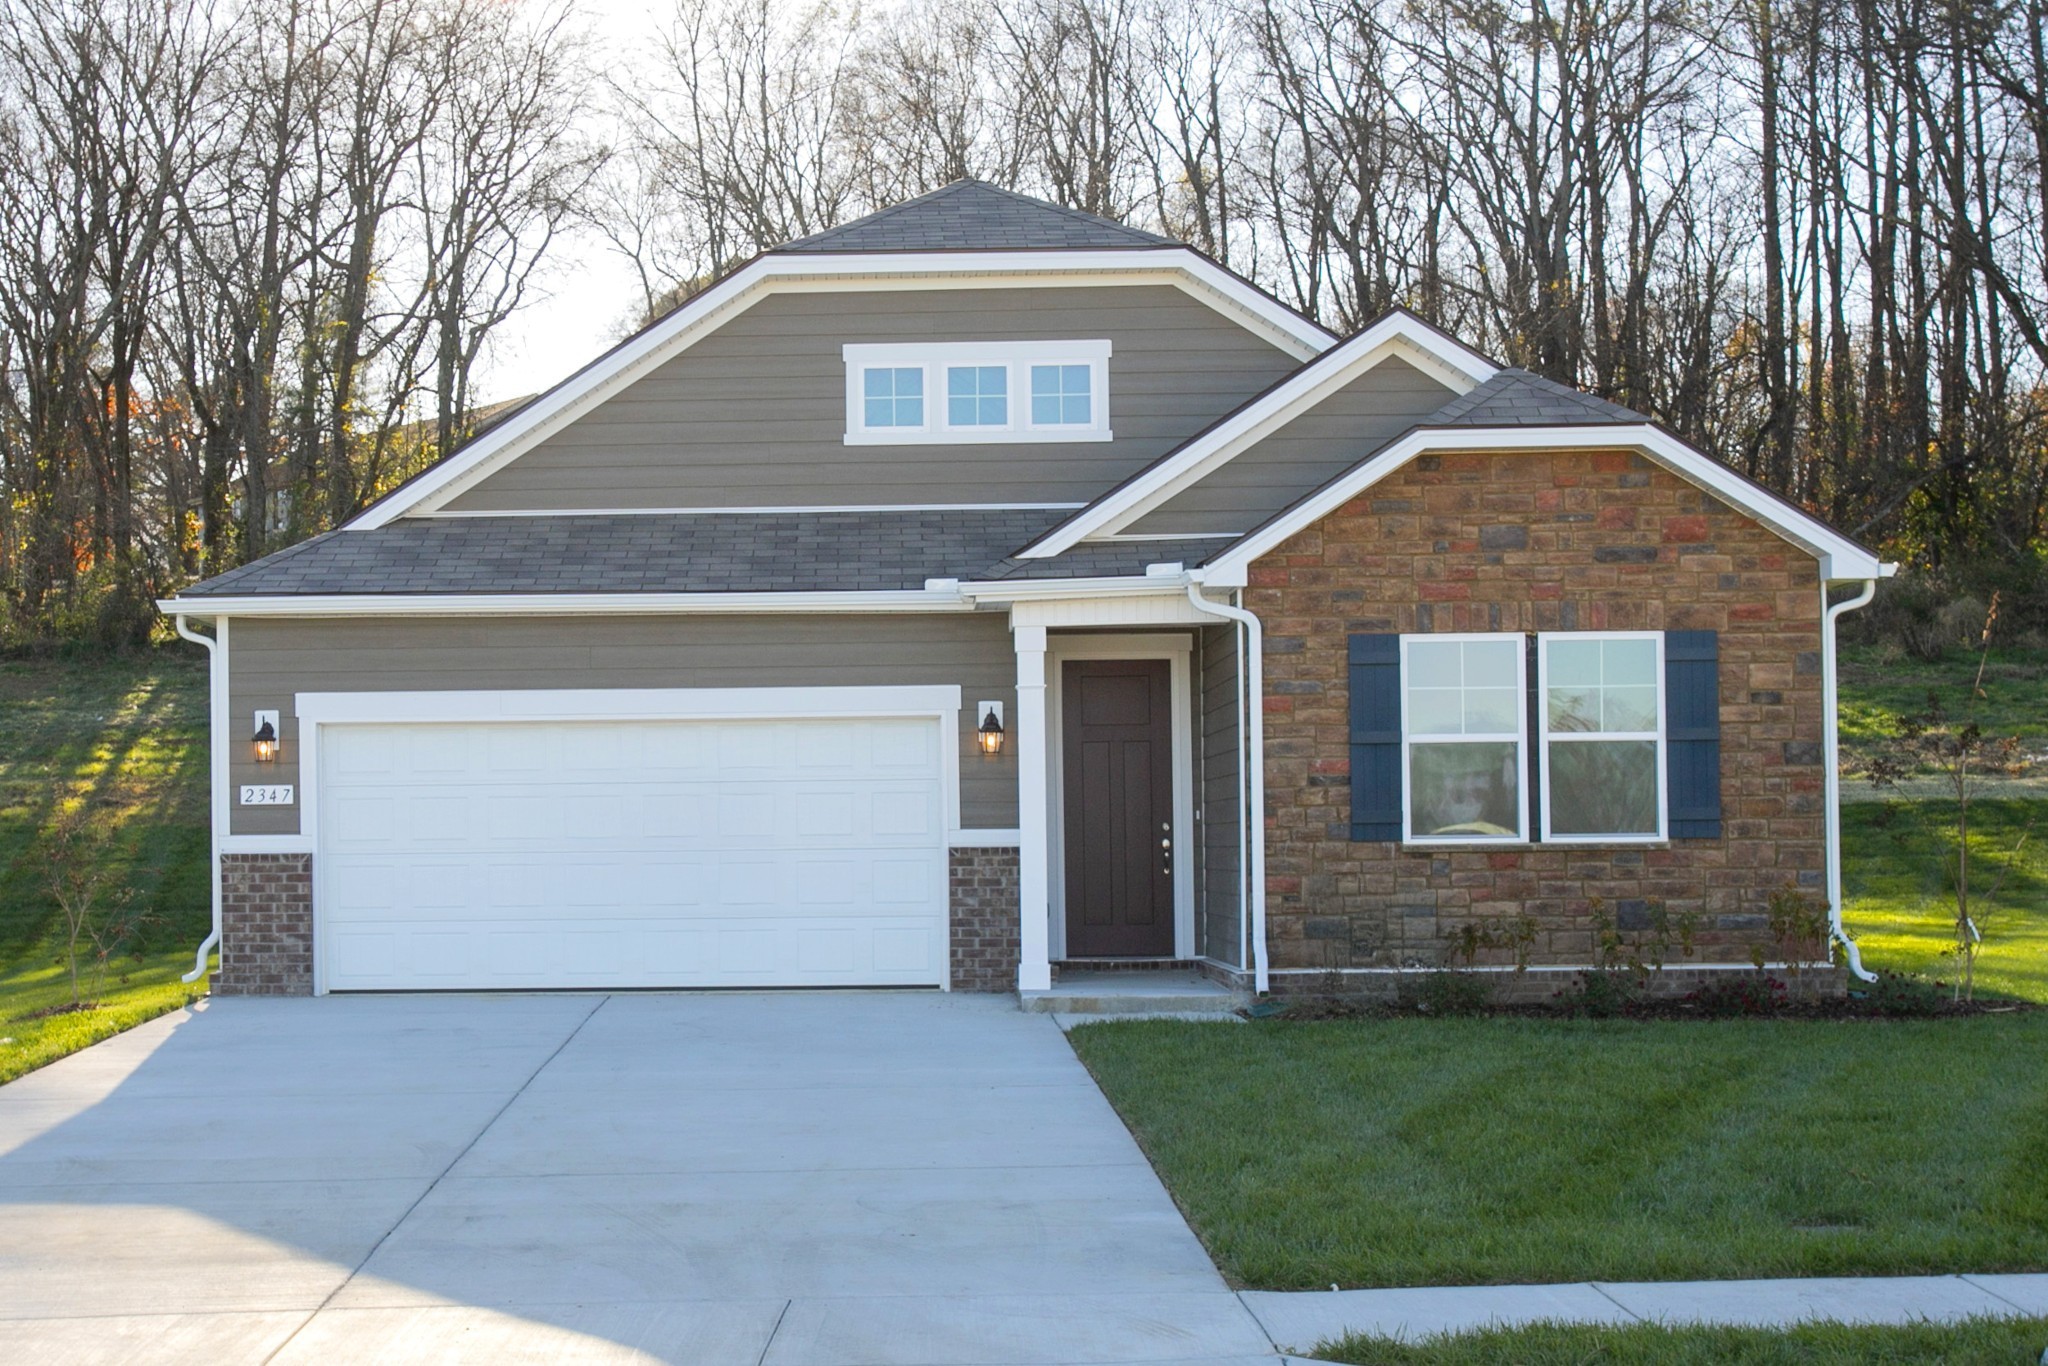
(562, 604)
(1459, 368)
(1840, 557)
(872, 270)
(745, 511)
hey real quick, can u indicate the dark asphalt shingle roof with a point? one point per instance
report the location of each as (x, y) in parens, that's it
(646, 553)
(972, 215)
(1517, 398)
(1113, 559)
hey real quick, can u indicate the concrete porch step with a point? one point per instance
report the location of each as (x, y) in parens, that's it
(1143, 992)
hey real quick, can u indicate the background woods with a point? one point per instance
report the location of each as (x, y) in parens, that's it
(252, 253)
(248, 255)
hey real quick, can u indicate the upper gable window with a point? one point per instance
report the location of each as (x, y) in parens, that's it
(977, 396)
(892, 396)
(972, 392)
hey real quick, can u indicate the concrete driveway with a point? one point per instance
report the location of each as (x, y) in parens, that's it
(759, 1178)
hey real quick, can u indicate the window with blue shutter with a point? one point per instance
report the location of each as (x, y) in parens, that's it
(1692, 717)
(1376, 737)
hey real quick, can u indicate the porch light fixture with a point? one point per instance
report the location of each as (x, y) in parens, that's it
(990, 733)
(265, 738)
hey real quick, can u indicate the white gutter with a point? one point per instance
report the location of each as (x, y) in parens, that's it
(217, 744)
(1252, 825)
(1169, 579)
(1832, 778)
(563, 604)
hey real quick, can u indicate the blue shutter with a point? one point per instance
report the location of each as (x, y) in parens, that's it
(1692, 717)
(1376, 737)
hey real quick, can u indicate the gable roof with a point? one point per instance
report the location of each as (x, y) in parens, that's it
(1841, 557)
(973, 215)
(1146, 261)
(1396, 332)
(1517, 398)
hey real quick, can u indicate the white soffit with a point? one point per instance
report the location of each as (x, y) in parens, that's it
(1400, 335)
(633, 359)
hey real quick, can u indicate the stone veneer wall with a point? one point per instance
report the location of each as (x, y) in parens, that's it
(1536, 542)
(984, 918)
(266, 925)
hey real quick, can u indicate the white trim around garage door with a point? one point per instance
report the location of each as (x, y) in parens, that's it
(1175, 648)
(939, 702)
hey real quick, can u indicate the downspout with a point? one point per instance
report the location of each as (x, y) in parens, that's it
(1251, 677)
(1832, 778)
(217, 721)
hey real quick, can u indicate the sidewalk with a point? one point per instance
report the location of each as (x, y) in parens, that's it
(1297, 1320)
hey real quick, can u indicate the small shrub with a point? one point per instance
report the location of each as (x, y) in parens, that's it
(1445, 992)
(1739, 997)
(1902, 994)
(1599, 994)
(1799, 927)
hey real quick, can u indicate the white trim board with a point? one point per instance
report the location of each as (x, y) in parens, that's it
(1397, 335)
(1176, 649)
(1180, 266)
(1840, 557)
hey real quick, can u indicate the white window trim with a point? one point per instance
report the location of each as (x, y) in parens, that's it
(1656, 638)
(934, 358)
(1521, 835)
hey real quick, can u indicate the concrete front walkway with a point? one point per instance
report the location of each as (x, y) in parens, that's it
(1299, 1320)
(709, 1178)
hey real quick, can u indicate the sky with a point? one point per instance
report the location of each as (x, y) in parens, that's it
(587, 292)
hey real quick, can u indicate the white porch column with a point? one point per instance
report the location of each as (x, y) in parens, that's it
(1034, 850)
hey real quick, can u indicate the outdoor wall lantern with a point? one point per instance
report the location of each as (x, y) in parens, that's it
(265, 738)
(990, 732)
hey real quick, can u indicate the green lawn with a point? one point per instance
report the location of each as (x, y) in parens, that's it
(1976, 1342)
(1453, 1151)
(1897, 902)
(1878, 686)
(130, 732)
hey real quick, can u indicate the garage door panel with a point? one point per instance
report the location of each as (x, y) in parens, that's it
(702, 853)
(599, 953)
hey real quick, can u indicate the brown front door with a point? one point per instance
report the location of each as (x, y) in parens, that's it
(1116, 716)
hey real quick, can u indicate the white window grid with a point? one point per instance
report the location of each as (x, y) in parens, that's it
(1546, 735)
(1016, 359)
(1520, 737)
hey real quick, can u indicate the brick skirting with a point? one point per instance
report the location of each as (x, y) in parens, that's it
(1820, 982)
(266, 925)
(984, 919)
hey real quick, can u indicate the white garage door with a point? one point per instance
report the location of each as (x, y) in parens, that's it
(667, 853)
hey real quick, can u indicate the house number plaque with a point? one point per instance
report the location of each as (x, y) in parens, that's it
(266, 794)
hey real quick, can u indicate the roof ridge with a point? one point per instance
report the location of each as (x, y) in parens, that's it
(1117, 233)
(1081, 215)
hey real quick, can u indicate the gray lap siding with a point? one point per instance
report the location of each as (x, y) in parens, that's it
(754, 415)
(270, 661)
(267, 943)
